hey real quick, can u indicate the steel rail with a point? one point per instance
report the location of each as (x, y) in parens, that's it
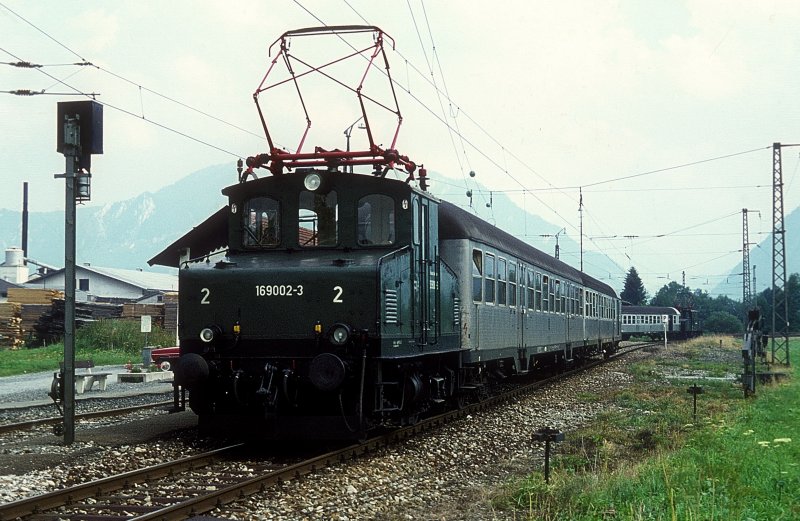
(54, 420)
(66, 496)
(213, 499)
(201, 504)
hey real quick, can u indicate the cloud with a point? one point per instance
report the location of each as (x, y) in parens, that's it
(97, 28)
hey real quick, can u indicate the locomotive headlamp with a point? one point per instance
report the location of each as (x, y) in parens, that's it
(207, 335)
(237, 328)
(340, 334)
(312, 181)
(318, 328)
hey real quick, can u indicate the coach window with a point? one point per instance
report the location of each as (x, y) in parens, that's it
(545, 285)
(559, 308)
(576, 300)
(376, 220)
(261, 223)
(489, 279)
(512, 283)
(317, 219)
(552, 295)
(502, 275)
(539, 292)
(568, 298)
(531, 291)
(477, 275)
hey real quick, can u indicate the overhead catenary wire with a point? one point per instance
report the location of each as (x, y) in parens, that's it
(620, 178)
(504, 168)
(130, 113)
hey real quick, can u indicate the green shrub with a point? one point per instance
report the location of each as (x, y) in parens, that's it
(120, 335)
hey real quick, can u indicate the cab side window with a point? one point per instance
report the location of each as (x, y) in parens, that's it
(261, 223)
(376, 220)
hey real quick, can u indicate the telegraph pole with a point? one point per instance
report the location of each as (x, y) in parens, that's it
(746, 289)
(580, 212)
(780, 305)
(562, 230)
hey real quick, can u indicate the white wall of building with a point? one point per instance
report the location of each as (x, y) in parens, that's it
(98, 285)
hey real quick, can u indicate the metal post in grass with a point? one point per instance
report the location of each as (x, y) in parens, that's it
(694, 391)
(547, 435)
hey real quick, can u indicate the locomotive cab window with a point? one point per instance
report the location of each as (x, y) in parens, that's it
(261, 223)
(317, 219)
(376, 220)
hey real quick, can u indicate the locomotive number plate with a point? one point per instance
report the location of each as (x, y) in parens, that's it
(278, 290)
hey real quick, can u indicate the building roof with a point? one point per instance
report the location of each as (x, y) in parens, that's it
(203, 239)
(141, 279)
(4, 285)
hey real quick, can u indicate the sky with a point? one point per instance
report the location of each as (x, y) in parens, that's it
(662, 114)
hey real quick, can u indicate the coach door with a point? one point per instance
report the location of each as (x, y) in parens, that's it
(518, 284)
(564, 294)
(426, 283)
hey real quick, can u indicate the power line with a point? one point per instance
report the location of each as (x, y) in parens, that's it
(85, 62)
(128, 112)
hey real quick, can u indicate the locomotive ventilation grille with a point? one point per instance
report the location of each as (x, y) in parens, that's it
(390, 306)
(457, 311)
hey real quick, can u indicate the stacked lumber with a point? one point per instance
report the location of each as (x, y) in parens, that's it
(50, 325)
(33, 295)
(10, 330)
(135, 312)
(171, 312)
(30, 314)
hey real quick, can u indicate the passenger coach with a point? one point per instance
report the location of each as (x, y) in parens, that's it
(521, 304)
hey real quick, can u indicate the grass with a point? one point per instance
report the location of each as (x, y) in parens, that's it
(107, 342)
(648, 460)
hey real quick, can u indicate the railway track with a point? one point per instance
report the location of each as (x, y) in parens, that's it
(212, 479)
(58, 420)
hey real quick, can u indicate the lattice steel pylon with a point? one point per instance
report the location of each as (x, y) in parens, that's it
(780, 304)
(747, 295)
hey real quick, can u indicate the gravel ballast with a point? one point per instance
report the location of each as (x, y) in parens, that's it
(450, 473)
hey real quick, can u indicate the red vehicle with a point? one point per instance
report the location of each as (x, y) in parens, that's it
(165, 357)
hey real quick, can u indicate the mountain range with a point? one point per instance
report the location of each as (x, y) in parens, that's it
(126, 234)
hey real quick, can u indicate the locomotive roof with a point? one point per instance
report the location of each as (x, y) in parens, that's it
(455, 223)
(648, 310)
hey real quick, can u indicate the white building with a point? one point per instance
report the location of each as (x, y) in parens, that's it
(93, 283)
(14, 269)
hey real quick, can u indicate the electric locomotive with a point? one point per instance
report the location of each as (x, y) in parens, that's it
(347, 302)
(321, 303)
(330, 310)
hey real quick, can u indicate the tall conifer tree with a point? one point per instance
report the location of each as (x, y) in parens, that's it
(634, 291)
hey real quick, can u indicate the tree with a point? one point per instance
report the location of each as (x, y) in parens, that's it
(764, 300)
(668, 295)
(634, 291)
(723, 322)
